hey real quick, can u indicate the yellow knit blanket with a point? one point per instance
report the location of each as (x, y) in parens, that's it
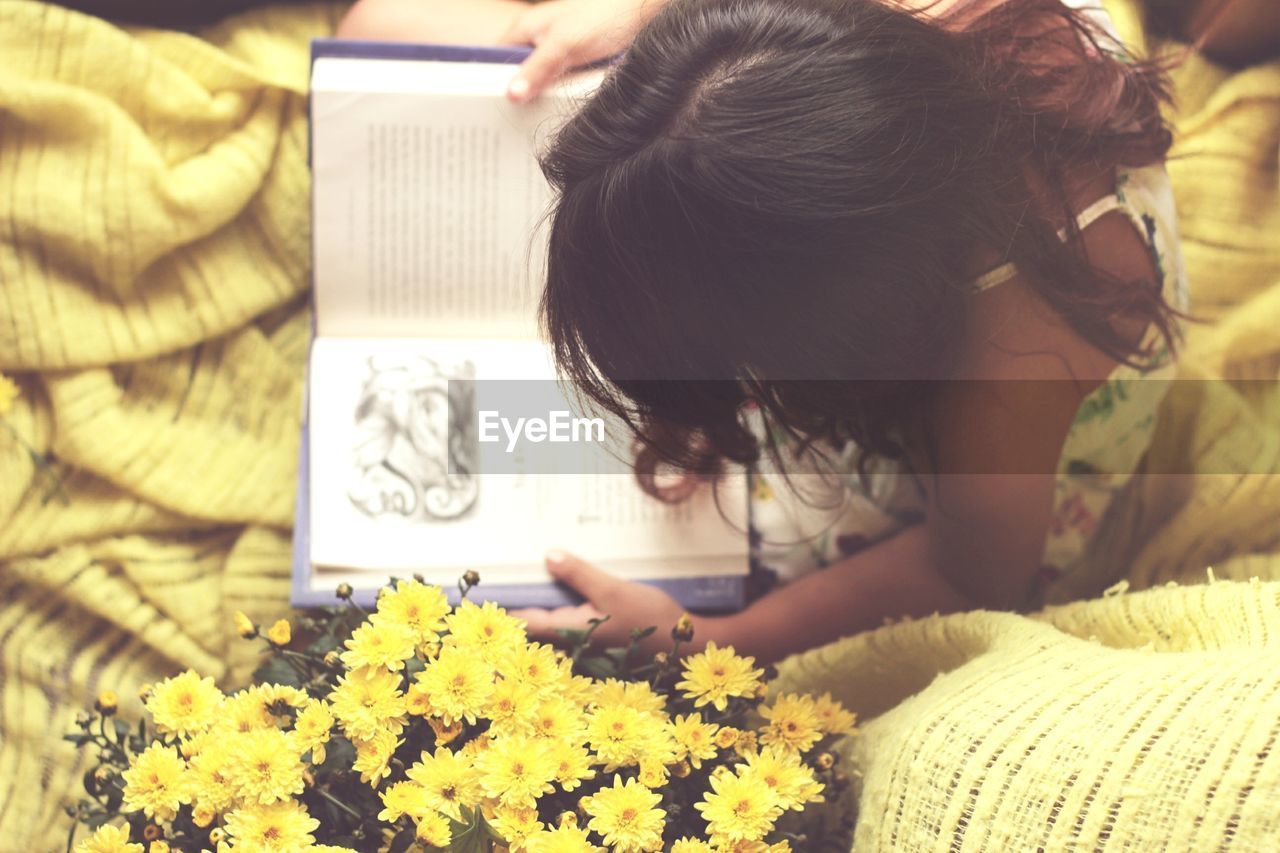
(153, 264)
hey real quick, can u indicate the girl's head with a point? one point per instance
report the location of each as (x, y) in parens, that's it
(771, 201)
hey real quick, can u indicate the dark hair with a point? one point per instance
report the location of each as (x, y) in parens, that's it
(768, 201)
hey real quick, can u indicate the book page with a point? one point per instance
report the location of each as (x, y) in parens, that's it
(410, 472)
(428, 198)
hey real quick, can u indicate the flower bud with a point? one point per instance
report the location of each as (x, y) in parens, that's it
(217, 835)
(244, 625)
(681, 770)
(202, 816)
(419, 577)
(727, 737)
(567, 819)
(151, 832)
(345, 591)
(826, 761)
(332, 658)
(108, 703)
(683, 631)
(280, 633)
(661, 658)
(144, 692)
(471, 578)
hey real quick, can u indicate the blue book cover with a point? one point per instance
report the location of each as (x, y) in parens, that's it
(717, 592)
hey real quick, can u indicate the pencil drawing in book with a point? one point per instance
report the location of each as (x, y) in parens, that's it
(416, 449)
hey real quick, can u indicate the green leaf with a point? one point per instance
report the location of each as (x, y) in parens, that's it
(413, 666)
(122, 730)
(401, 841)
(277, 671)
(323, 644)
(472, 834)
(599, 667)
(78, 740)
(339, 754)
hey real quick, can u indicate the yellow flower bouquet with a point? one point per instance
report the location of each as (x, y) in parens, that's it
(427, 726)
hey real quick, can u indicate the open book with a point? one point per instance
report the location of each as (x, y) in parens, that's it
(436, 439)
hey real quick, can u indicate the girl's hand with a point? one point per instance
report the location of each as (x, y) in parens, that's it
(567, 34)
(628, 605)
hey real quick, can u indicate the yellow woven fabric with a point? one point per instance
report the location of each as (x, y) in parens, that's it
(153, 261)
(154, 249)
(1145, 721)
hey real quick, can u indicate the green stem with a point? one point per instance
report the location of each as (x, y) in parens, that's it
(341, 805)
(39, 461)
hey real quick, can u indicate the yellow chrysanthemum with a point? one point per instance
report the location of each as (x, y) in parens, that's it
(368, 701)
(9, 393)
(625, 816)
(209, 781)
(691, 845)
(449, 780)
(511, 707)
(784, 772)
(280, 633)
(558, 719)
(404, 798)
(387, 645)
(244, 712)
(515, 823)
(738, 809)
(487, 631)
(417, 702)
(185, 704)
(517, 770)
(280, 827)
(244, 625)
(264, 766)
(793, 723)
(311, 729)
(416, 606)
(562, 839)
(156, 783)
(107, 838)
(535, 665)
(457, 684)
(835, 719)
(653, 774)
(746, 744)
(619, 734)
(716, 675)
(631, 694)
(573, 764)
(446, 733)
(578, 689)
(434, 830)
(695, 739)
(373, 755)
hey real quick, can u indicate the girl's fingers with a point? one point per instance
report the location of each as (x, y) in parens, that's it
(550, 59)
(542, 624)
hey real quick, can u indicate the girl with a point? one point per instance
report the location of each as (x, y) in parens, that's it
(924, 248)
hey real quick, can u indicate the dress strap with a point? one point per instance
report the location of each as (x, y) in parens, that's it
(1084, 219)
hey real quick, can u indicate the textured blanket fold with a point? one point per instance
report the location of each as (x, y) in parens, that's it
(153, 268)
